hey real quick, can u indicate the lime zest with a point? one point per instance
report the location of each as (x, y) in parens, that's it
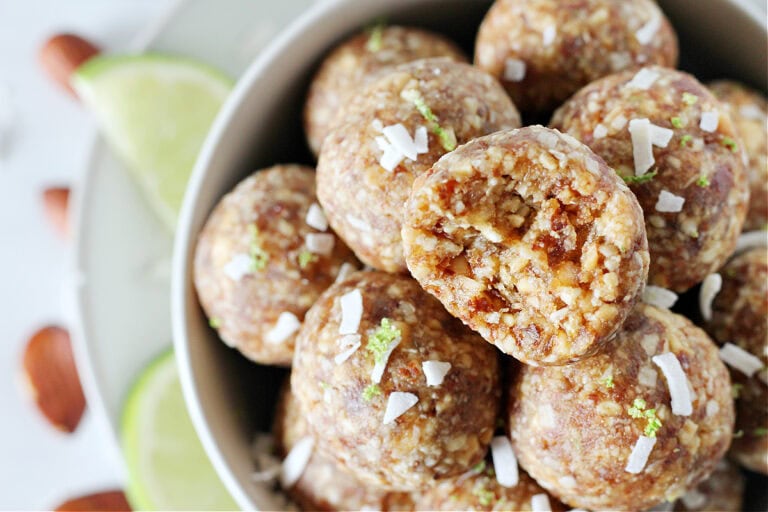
(484, 496)
(379, 342)
(690, 99)
(685, 139)
(738, 434)
(608, 382)
(760, 432)
(703, 181)
(736, 390)
(371, 391)
(730, 144)
(676, 122)
(375, 38)
(638, 406)
(259, 256)
(479, 467)
(214, 322)
(643, 178)
(638, 410)
(447, 136)
(306, 257)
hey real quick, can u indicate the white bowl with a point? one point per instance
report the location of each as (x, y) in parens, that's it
(230, 398)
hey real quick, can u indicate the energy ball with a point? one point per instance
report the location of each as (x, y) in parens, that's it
(642, 422)
(358, 61)
(322, 485)
(393, 131)
(748, 109)
(740, 319)
(721, 492)
(545, 50)
(480, 490)
(531, 240)
(263, 257)
(394, 389)
(675, 145)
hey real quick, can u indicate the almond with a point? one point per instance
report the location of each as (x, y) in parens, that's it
(62, 54)
(101, 501)
(50, 369)
(56, 204)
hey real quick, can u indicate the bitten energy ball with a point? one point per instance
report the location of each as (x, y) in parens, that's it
(721, 492)
(740, 321)
(480, 490)
(748, 109)
(358, 61)
(322, 485)
(393, 131)
(263, 257)
(531, 240)
(675, 145)
(393, 388)
(545, 50)
(642, 422)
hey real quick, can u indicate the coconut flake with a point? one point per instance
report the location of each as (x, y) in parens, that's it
(540, 503)
(514, 70)
(639, 456)
(401, 140)
(316, 218)
(619, 122)
(659, 297)
(344, 271)
(677, 382)
(351, 312)
(548, 35)
(600, 131)
(642, 152)
(391, 158)
(397, 404)
(752, 112)
(379, 366)
(739, 359)
(435, 371)
(320, 243)
(504, 461)
(643, 79)
(287, 324)
(645, 34)
(377, 125)
(647, 377)
(421, 140)
(669, 202)
(296, 462)
(350, 343)
(710, 287)
(660, 136)
(709, 121)
(238, 267)
(751, 239)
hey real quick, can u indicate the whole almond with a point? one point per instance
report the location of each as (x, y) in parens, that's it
(62, 54)
(101, 501)
(56, 205)
(49, 366)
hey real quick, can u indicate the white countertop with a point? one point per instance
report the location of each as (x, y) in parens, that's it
(39, 466)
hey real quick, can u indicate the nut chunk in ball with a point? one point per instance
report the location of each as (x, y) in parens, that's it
(674, 144)
(545, 50)
(359, 60)
(642, 422)
(531, 240)
(263, 257)
(393, 388)
(393, 131)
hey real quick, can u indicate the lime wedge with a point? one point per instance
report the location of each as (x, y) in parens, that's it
(155, 111)
(167, 466)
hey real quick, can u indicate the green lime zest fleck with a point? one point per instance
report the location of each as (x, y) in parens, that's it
(214, 322)
(738, 434)
(375, 39)
(676, 122)
(736, 390)
(653, 423)
(371, 391)
(730, 144)
(259, 256)
(643, 178)
(382, 338)
(685, 140)
(305, 258)
(324, 385)
(703, 181)
(608, 382)
(638, 406)
(479, 467)
(447, 136)
(760, 432)
(484, 496)
(690, 99)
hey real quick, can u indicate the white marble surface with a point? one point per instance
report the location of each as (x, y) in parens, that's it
(50, 138)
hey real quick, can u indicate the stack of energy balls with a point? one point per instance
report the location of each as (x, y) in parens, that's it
(508, 343)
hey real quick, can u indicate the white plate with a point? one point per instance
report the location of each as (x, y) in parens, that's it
(121, 275)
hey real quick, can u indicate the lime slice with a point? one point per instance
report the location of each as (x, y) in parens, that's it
(167, 466)
(155, 111)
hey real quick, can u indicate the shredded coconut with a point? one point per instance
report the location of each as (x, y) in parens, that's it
(435, 371)
(639, 456)
(710, 287)
(709, 121)
(643, 79)
(287, 324)
(316, 218)
(677, 382)
(421, 140)
(548, 35)
(659, 297)
(401, 140)
(752, 112)
(238, 267)
(645, 34)
(379, 366)
(669, 202)
(514, 70)
(660, 136)
(751, 239)
(296, 462)
(320, 243)
(344, 271)
(350, 343)
(504, 461)
(351, 312)
(647, 377)
(397, 404)
(739, 359)
(642, 152)
(600, 131)
(540, 503)
(391, 158)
